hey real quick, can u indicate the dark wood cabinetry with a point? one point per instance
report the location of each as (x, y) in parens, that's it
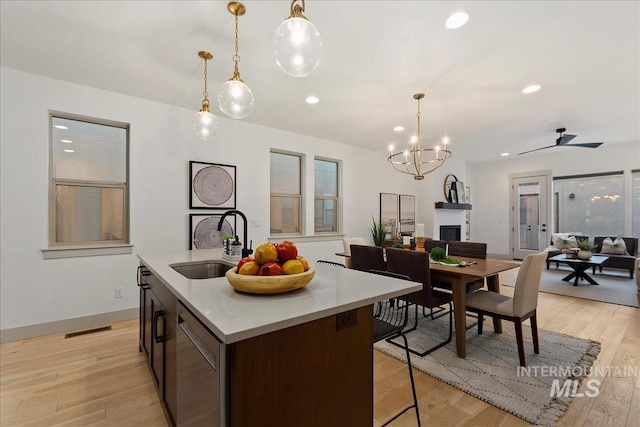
(314, 374)
(158, 337)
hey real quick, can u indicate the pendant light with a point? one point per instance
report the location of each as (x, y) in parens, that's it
(297, 44)
(235, 99)
(205, 124)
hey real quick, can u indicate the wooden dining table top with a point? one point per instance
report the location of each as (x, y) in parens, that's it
(458, 277)
(479, 267)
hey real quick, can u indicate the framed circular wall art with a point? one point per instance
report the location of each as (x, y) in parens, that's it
(212, 186)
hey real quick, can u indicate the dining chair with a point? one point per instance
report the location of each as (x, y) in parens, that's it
(520, 307)
(389, 320)
(331, 263)
(468, 250)
(415, 265)
(348, 241)
(430, 244)
(365, 258)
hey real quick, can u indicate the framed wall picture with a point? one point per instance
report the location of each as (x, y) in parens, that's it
(203, 230)
(453, 196)
(212, 186)
(462, 197)
(407, 214)
(389, 213)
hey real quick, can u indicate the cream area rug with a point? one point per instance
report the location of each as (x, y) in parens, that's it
(491, 372)
(615, 286)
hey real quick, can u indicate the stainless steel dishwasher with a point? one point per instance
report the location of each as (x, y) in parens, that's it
(201, 380)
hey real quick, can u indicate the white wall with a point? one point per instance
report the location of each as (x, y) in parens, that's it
(35, 291)
(490, 185)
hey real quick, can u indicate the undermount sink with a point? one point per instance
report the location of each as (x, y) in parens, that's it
(202, 269)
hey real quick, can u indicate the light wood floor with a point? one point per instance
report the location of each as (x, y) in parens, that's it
(101, 379)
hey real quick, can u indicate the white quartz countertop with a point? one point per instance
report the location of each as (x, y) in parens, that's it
(234, 316)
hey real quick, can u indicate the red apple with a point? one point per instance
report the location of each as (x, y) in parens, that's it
(270, 269)
(287, 250)
(243, 260)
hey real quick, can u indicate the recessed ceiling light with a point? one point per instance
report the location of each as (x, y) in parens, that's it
(312, 100)
(60, 127)
(504, 154)
(68, 141)
(69, 151)
(531, 89)
(456, 20)
(398, 128)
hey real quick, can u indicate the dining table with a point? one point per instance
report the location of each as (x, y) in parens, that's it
(458, 277)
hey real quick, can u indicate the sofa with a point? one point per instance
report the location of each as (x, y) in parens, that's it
(556, 245)
(624, 261)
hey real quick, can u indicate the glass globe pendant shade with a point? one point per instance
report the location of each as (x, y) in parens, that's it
(297, 46)
(205, 125)
(235, 99)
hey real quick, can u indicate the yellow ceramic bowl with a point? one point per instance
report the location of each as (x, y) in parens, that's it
(268, 284)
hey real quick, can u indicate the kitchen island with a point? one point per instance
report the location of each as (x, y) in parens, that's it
(299, 358)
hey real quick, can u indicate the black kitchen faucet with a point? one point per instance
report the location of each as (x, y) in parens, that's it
(246, 250)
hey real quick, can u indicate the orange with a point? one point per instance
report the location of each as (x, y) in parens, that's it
(265, 253)
(304, 262)
(249, 268)
(293, 266)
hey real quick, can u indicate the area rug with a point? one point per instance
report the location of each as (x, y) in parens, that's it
(615, 286)
(491, 373)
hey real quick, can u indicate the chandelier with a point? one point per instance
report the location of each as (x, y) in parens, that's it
(415, 160)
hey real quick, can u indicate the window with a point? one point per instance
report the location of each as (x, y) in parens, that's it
(591, 204)
(88, 174)
(635, 202)
(286, 193)
(326, 196)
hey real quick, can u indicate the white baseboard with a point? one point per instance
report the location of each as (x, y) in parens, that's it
(59, 326)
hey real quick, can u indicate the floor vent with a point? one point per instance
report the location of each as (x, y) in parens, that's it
(88, 331)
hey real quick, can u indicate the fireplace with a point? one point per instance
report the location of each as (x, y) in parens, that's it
(450, 232)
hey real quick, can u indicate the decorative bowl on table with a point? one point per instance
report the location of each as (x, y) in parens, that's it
(268, 284)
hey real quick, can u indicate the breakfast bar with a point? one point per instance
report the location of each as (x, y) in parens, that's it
(298, 358)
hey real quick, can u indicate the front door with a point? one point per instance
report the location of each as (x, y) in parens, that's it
(529, 214)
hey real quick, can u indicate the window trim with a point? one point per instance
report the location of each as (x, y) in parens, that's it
(104, 247)
(337, 198)
(301, 215)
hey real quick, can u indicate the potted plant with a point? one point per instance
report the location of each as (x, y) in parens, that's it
(585, 247)
(378, 232)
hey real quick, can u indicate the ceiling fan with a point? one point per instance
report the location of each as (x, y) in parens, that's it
(563, 140)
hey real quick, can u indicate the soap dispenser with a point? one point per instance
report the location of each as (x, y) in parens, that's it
(236, 248)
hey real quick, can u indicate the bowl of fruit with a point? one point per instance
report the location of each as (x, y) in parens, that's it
(272, 269)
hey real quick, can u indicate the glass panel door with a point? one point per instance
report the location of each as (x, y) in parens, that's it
(529, 215)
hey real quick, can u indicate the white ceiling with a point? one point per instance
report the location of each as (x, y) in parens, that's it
(377, 54)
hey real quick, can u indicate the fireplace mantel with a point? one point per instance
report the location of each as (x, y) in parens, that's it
(460, 206)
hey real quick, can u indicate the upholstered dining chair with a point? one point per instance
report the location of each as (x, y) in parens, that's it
(365, 258)
(430, 244)
(348, 241)
(415, 265)
(520, 307)
(469, 250)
